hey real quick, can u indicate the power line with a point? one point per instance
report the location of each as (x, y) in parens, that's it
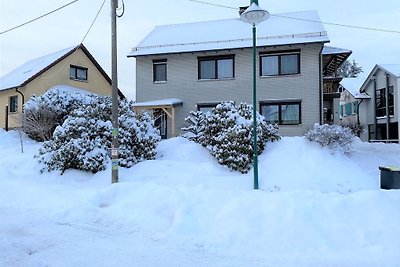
(212, 4)
(83, 39)
(339, 24)
(94, 20)
(308, 20)
(44, 15)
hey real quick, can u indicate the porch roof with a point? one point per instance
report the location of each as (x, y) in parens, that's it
(333, 57)
(168, 102)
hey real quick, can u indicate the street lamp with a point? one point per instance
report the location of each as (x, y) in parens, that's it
(254, 15)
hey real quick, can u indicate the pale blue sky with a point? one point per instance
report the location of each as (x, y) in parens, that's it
(68, 26)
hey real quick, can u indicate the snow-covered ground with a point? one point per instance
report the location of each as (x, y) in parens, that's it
(183, 209)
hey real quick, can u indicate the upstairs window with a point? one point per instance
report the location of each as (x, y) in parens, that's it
(78, 73)
(159, 70)
(381, 102)
(216, 68)
(283, 63)
(13, 103)
(283, 113)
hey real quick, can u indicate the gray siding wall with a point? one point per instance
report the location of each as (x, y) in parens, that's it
(182, 82)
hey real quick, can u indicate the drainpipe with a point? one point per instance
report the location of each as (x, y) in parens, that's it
(387, 107)
(375, 119)
(321, 112)
(22, 96)
(358, 115)
(6, 121)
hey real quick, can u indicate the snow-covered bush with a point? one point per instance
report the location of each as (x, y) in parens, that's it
(334, 137)
(356, 128)
(138, 137)
(42, 114)
(83, 140)
(195, 130)
(227, 132)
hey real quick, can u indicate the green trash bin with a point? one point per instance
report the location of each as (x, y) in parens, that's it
(390, 177)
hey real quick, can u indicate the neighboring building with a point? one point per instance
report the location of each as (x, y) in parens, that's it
(351, 100)
(333, 58)
(200, 64)
(381, 113)
(73, 66)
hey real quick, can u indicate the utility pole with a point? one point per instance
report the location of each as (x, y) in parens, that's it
(114, 77)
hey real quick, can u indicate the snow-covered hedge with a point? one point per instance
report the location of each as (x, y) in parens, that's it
(334, 137)
(227, 132)
(83, 140)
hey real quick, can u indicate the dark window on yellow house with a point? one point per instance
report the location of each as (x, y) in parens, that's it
(13, 105)
(78, 73)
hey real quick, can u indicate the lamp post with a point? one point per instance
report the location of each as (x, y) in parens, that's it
(254, 15)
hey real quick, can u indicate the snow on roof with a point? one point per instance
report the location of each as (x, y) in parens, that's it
(28, 70)
(61, 88)
(353, 85)
(330, 50)
(279, 29)
(394, 69)
(162, 102)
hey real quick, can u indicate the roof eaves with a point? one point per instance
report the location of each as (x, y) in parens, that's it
(48, 66)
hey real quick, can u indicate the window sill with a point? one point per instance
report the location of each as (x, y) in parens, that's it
(279, 76)
(385, 117)
(77, 80)
(208, 80)
(159, 82)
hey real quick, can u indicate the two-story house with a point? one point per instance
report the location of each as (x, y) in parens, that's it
(194, 66)
(381, 113)
(73, 66)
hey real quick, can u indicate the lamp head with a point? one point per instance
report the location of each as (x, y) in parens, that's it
(254, 14)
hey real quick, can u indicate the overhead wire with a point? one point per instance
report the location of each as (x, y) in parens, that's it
(83, 39)
(37, 18)
(308, 20)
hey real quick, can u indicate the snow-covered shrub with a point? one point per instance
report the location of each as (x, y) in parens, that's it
(39, 123)
(42, 114)
(83, 141)
(195, 130)
(228, 134)
(334, 137)
(356, 128)
(138, 137)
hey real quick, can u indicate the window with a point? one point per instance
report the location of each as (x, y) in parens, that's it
(284, 113)
(355, 107)
(206, 107)
(13, 105)
(216, 68)
(160, 70)
(381, 131)
(341, 111)
(348, 108)
(78, 73)
(275, 64)
(381, 102)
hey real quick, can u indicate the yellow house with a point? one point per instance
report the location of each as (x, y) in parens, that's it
(73, 66)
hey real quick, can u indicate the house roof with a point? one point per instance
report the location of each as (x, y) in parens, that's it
(333, 57)
(394, 69)
(24, 73)
(279, 29)
(33, 68)
(353, 85)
